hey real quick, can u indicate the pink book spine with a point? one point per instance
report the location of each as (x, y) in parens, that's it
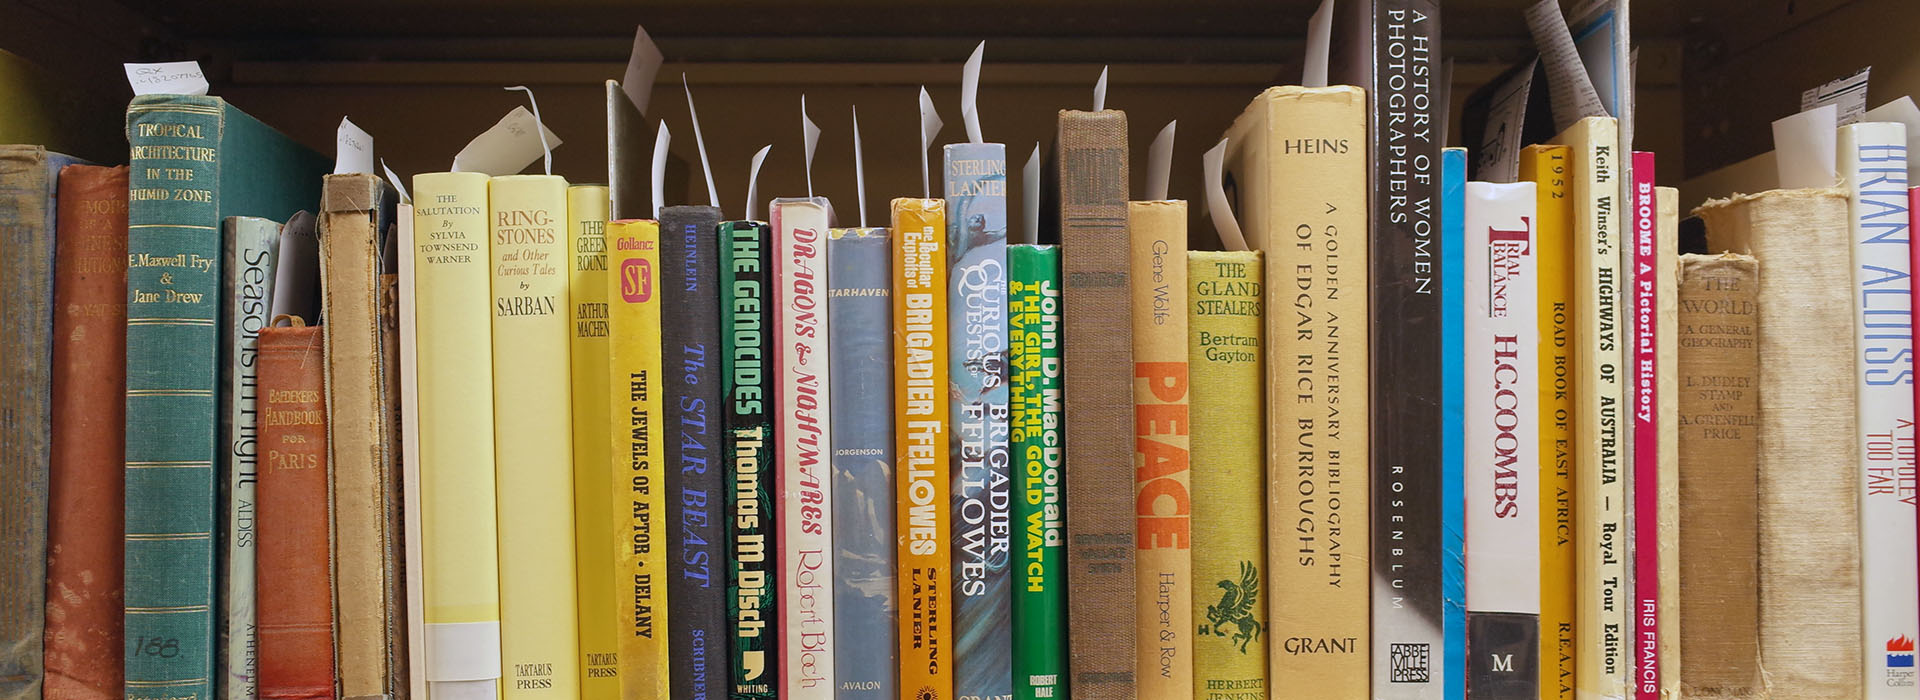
(1645, 255)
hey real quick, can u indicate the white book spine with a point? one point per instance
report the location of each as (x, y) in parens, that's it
(1873, 162)
(1502, 402)
(411, 510)
(805, 459)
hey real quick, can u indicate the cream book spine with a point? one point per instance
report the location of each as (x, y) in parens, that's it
(805, 474)
(1163, 504)
(411, 507)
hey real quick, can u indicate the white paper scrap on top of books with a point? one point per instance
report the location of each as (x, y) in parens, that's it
(1848, 95)
(352, 149)
(1805, 146)
(173, 78)
(643, 64)
(1569, 86)
(508, 147)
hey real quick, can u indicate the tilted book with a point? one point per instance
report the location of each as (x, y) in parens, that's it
(1873, 166)
(597, 589)
(1600, 414)
(630, 159)
(1039, 574)
(1453, 417)
(1642, 260)
(746, 265)
(87, 479)
(860, 330)
(453, 346)
(976, 189)
(533, 437)
(922, 522)
(1090, 191)
(1163, 504)
(1547, 167)
(1502, 442)
(193, 162)
(356, 221)
(695, 471)
(1302, 170)
(246, 288)
(1224, 354)
(1719, 375)
(1808, 463)
(638, 483)
(296, 639)
(805, 476)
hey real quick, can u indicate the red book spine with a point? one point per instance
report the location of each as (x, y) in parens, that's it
(1645, 256)
(294, 581)
(85, 518)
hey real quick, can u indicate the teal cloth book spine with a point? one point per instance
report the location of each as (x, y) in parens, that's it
(860, 331)
(976, 189)
(1039, 505)
(746, 344)
(246, 289)
(29, 177)
(194, 161)
(1453, 413)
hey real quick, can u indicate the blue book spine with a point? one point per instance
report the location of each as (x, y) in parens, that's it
(860, 331)
(1453, 515)
(696, 477)
(976, 189)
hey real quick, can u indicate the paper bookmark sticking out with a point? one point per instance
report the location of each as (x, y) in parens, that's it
(1569, 86)
(859, 169)
(1217, 207)
(1849, 94)
(352, 149)
(1313, 72)
(713, 195)
(970, 93)
(929, 127)
(660, 141)
(508, 146)
(753, 180)
(394, 180)
(1030, 196)
(1901, 111)
(1160, 162)
(546, 150)
(175, 78)
(1805, 147)
(1100, 91)
(642, 65)
(809, 137)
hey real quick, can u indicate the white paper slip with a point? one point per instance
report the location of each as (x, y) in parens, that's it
(642, 65)
(753, 181)
(174, 78)
(1224, 223)
(508, 147)
(970, 93)
(1571, 88)
(1160, 162)
(1313, 71)
(352, 149)
(1848, 95)
(1804, 148)
(929, 127)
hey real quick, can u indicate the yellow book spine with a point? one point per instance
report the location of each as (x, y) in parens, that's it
(638, 481)
(533, 434)
(1547, 167)
(1229, 474)
(593, 536)
(454, 392)
(1600, 421)
(1666, 278)
(1163, 506)
(920, 424)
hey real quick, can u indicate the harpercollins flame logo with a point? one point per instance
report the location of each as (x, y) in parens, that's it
(1900, 652)
(636, 280)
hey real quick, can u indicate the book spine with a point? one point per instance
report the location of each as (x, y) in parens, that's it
(532, 435)
(1454, 459)
(804, 480)
(245, 290)
(454, 351)
(753, 652)
(922, 521)
(1408, 602)
(1039, 599)
(1718, 366)
(594, 537)
(638, 484)
(86, 482)
(860, 330)
(1873, 163)
(1163, 531)
(976, 198)
(27, 210)
(412, 508)
(1547, 167)
(173, 284)
(1502, 441)
(1229, 473)
(1098, 318)
(1644, 256)
(1666, 269)
(296, 632)
(695, 480)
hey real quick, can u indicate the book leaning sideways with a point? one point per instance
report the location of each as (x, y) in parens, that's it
(195, 160)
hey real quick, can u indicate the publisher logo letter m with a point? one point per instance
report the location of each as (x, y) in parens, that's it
(1503, 663)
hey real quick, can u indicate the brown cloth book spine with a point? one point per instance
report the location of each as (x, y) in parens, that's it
(1808, 481)
(1097, 323)
(1719, 375)
(294, 608)
(85, 517)
(363, 434)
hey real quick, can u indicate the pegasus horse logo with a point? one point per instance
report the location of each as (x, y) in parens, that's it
(1236, 607)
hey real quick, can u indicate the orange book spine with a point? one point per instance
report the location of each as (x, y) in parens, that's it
(920, 420)
(294, 609)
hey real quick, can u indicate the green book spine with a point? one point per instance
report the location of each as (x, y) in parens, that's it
(1039, 515)
(1229, 474)
(746, 262)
